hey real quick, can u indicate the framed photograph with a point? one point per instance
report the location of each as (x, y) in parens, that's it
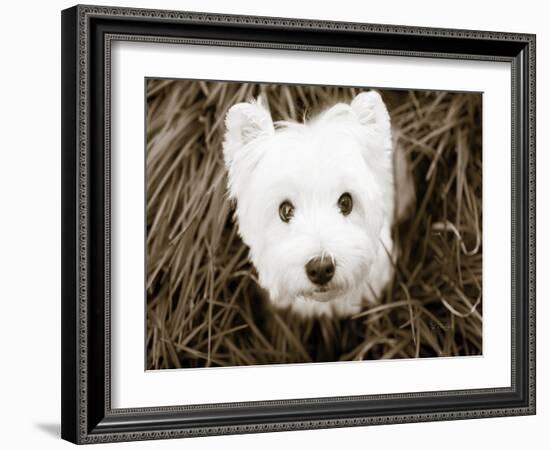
(280, 224)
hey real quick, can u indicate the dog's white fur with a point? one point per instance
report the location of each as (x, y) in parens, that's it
(347, 148)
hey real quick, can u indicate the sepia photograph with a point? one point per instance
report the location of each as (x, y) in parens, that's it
(301, 224)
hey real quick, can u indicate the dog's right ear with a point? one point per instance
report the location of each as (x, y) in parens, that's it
(244, 123)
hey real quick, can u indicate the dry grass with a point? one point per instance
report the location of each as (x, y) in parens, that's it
(204, 306)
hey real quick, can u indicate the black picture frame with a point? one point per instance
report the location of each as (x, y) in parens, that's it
(87, 32)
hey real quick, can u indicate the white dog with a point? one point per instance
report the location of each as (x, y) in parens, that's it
(315, 203)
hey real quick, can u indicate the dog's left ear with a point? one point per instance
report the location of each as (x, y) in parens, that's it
(371, 111)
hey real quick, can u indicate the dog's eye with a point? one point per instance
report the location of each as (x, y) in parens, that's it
(286, 211)
(345, 203)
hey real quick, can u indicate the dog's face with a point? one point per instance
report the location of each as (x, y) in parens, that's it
(312, 199)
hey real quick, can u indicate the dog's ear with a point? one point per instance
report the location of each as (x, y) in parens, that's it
(244, 123)
(371, 111)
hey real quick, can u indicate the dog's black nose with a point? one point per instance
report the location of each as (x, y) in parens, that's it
(320, 270)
